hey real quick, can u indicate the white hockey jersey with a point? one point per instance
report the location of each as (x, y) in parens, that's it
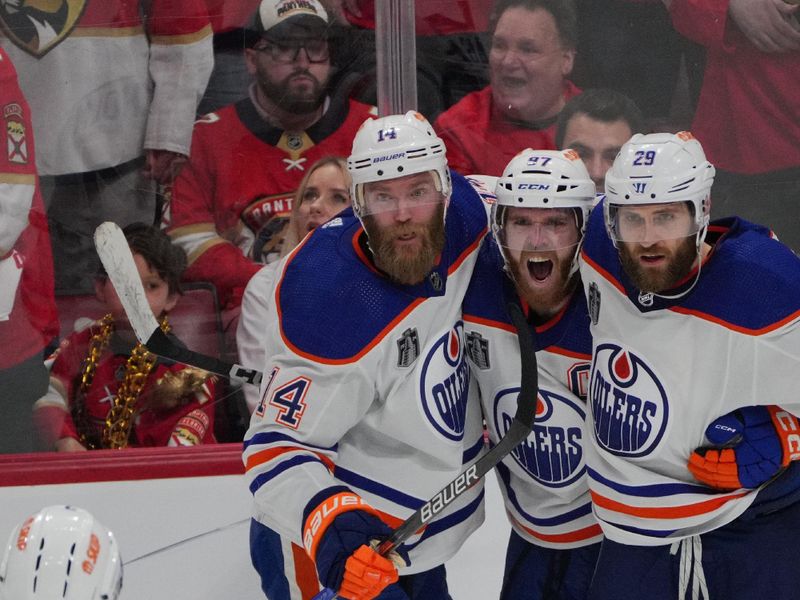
(663, 370)
(544, 479)
(366, 386)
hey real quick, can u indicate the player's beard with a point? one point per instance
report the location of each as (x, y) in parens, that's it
(679, 263)
(544, 301)
(291, 98)
(406, 265)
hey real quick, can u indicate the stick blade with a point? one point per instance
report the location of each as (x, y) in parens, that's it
(115, 254)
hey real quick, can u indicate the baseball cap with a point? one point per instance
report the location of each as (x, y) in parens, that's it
(281, 17)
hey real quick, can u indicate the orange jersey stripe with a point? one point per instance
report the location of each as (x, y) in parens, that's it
(259, 458)
(664, 512)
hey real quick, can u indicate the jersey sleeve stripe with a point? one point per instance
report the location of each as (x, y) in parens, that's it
(272, 437)
(738, 328)
(445, 523)
(377, 489)
(568, 353)
(268, 476)
(259, 458)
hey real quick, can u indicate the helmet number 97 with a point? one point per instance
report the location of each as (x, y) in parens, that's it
(387, 134)
(644, 158)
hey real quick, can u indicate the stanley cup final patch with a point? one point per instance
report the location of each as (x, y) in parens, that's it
(407, 348)
(16, 140)
(478, 350)
(594, 303)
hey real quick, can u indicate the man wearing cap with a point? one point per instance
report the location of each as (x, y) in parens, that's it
(231, 202)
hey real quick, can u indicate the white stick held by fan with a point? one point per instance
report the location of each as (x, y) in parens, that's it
(115, 254)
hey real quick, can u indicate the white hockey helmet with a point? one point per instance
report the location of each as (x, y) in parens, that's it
(61, 552)
(396, 146)
(660, 168)
(543, 179)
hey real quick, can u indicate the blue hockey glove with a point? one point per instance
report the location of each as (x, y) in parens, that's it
(339, 536)
(749, 446)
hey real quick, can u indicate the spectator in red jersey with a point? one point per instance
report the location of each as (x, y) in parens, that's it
(113, 87)
(248, 158)
(106, 390)
(748, 114)
(451, 50)
(531, 56)
(28, 320)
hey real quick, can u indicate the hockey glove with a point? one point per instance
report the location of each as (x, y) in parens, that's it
(340, 535)
(749, 446)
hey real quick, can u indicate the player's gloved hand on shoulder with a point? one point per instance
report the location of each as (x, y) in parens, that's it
(340, 535)
(748, 447)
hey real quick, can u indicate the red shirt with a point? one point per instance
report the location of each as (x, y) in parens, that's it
(748, 115)
(239, 182)
(32, 323)
(185, 425)
(480, 141)
(435, 17)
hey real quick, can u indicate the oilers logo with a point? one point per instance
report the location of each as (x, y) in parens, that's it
(444, 383)
(552, 454)
(629, 405)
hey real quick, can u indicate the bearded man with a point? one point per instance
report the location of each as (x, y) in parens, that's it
(248, 158)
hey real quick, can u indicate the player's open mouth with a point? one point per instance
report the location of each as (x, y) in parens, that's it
(539, 268)
(651, 259)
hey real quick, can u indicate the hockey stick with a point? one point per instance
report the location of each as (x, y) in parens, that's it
(115, 254)
(520, 428)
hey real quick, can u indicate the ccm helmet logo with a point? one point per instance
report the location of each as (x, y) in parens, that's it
(534, 186)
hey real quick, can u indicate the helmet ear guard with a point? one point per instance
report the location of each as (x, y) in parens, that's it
(61, 552)
(392, 147)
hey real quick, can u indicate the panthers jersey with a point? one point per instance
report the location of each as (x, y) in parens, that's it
(544, 479)
(367, 385)
(236, 192)
(664, 369)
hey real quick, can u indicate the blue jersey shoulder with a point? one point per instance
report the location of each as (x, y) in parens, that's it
(334, 304)
(751, 281)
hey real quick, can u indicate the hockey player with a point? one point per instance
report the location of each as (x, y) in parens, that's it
(248, 158)
(61, 552)
(543, 200)
(364, 413)
(690, 320)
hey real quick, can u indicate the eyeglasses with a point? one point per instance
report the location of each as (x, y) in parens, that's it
(287, 51)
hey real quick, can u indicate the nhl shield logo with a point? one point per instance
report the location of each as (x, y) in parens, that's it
(478, 350)
(407, 348)
(38, 26)
(594, 303)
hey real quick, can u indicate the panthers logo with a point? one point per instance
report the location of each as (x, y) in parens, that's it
(37, 26)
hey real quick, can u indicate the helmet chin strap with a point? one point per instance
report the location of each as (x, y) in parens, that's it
(646, 298)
